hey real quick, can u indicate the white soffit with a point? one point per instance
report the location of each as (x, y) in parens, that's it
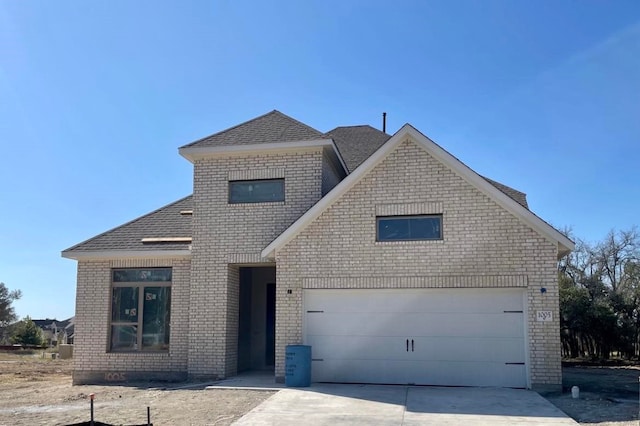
(195, 153)
(127, 254)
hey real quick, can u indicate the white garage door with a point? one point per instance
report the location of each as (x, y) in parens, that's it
(454, 337)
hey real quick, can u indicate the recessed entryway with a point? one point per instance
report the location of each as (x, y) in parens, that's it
(256, 318)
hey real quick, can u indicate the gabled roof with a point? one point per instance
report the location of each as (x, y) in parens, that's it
(357, 143)
(273, 127)
(167, 233)
(163, 223)
(502, 198)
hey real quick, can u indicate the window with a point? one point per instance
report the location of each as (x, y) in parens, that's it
(140, 309)
(409, 228)
(256, 191)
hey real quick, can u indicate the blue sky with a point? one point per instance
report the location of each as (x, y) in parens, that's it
(96, 97)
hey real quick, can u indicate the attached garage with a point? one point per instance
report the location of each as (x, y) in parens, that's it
(450, 337)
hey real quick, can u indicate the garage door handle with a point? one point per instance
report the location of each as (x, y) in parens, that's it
(407, 345)
(411, 345)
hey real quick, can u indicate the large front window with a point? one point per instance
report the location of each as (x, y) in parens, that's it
(140, 309)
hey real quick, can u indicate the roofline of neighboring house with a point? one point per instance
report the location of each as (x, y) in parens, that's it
(126, 254)
(564, 244)
(195, 153)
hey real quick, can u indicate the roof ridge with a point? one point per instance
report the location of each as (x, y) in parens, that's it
(297, 121)
(353, 125)
(126, 223)
(357, 125)
(230, 128)
(272, 112)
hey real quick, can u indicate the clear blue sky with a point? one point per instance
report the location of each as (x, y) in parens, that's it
(96, 97)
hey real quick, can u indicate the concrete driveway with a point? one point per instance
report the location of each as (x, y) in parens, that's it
(328, 404)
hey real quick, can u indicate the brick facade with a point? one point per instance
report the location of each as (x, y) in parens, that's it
(227, 235)
(92, 362)
(483, 246)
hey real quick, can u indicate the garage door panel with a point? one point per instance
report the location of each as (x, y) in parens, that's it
(358, 323)
(472, 337)
(446, 373)
(501, 350)
(385, 372)
(416, 300)
(463, 324)
(401, 324)
(450, 373)
(358, 347)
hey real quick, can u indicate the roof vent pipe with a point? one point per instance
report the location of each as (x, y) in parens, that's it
(384, 122)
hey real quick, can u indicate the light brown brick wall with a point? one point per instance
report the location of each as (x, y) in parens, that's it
(483, 246)
(91, 357)
(236, 234)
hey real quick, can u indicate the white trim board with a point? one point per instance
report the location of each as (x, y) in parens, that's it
(194, 153)
(127, 254)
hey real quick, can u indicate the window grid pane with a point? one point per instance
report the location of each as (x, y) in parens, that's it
(156, 320)
(142, 275)
(124, 337)
(124, 304)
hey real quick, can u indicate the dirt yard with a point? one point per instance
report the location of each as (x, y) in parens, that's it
(36, 391)
(608, 395)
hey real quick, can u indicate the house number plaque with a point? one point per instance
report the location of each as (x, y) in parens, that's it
(544, 316)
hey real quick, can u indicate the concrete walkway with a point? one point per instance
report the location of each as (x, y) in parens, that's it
(328, 404)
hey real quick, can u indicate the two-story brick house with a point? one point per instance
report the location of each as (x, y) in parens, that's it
(395, 261)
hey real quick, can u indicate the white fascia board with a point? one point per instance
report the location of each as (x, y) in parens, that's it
(194, 153)
(126, 254)
(564, 243)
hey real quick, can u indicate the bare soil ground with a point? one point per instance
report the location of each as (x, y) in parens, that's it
(37, 391)
(608, 394)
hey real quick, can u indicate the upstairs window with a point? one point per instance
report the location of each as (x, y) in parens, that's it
(256, 191)
(409, 228)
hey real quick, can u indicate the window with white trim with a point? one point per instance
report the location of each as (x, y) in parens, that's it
(140, 309)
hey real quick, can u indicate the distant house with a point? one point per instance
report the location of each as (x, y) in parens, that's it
(393, 259)
(69, 332)
(55, 332)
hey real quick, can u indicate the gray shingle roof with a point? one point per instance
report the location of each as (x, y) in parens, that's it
(517, 196)
(357, 143)
(164, 222)
(269, 128)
